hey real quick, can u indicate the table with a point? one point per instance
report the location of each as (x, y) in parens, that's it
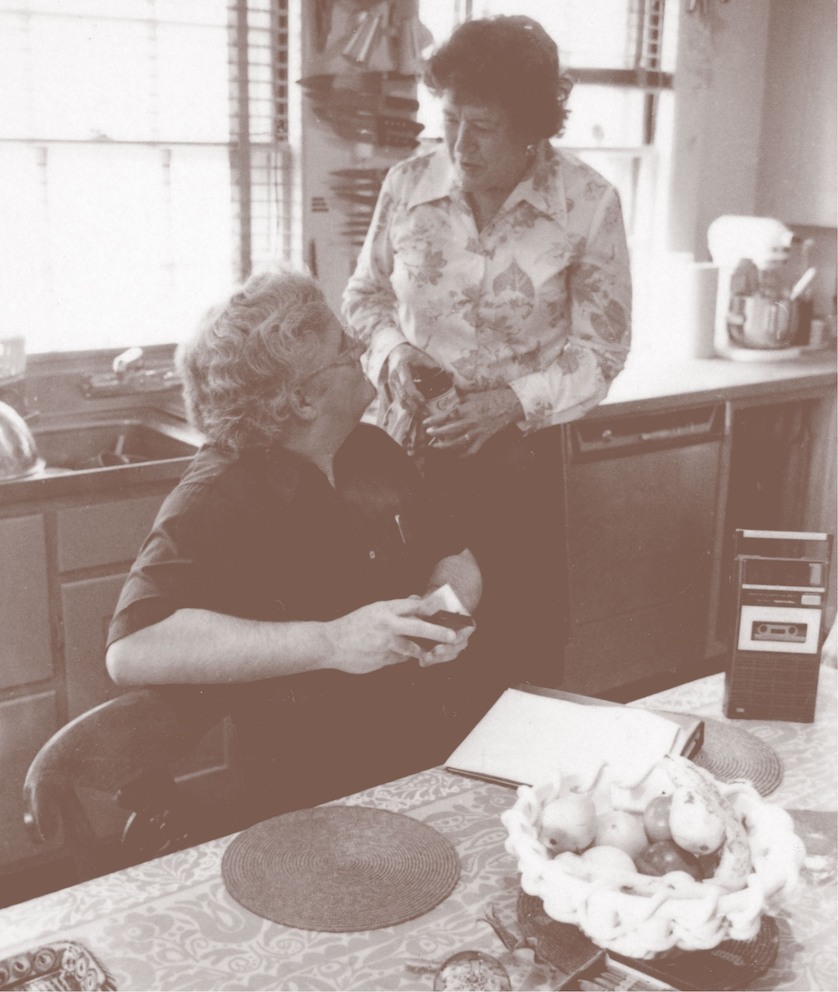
(170, 924)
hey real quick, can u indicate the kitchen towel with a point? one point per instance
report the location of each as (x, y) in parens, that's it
(699, 285)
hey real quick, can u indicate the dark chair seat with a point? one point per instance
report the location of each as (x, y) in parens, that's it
(124, 748)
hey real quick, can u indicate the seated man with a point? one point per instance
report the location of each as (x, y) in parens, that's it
(283, 577)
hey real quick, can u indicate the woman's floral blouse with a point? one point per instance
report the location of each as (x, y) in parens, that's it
(539, 300)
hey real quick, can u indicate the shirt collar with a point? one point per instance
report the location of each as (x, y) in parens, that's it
(542, 186)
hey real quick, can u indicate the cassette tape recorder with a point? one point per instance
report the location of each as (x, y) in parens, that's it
(780, 583)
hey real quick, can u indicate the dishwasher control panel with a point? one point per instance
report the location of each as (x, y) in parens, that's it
(598, 438)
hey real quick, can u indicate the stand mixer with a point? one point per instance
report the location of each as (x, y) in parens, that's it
(763, 304)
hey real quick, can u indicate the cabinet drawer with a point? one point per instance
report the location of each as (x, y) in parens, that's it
(25, 648)
(104, 533)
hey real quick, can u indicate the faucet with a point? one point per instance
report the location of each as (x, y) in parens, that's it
(128, 376)
(128, 361)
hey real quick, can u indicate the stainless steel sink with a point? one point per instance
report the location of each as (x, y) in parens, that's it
(112, 439)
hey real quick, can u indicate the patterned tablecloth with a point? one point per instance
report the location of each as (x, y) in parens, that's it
(170, 924)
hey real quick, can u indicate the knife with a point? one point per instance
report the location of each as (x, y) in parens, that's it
(370, 82)
(359, 100)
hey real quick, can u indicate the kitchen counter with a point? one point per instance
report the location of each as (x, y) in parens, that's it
(648, 384)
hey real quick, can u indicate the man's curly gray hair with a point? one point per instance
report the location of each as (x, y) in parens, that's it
(246, 356)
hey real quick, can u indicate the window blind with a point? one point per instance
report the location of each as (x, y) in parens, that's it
(144, 171)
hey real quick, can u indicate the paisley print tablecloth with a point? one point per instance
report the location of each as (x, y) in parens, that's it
(170, 924)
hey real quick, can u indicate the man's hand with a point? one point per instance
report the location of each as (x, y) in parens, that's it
(382, 634)
(447, 652)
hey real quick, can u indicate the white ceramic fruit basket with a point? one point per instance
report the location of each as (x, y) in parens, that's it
(641, 915)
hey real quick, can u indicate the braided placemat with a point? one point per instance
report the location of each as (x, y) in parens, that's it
(340, 868)
(733, 964)
(732, 753)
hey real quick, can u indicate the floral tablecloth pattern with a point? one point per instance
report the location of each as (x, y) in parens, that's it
(170, 924)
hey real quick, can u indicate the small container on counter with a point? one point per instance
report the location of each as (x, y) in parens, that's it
(12, 357)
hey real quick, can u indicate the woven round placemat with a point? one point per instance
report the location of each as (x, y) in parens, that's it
(340, 868)
(731, 753)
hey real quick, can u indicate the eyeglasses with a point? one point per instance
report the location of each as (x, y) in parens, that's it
(349, 354)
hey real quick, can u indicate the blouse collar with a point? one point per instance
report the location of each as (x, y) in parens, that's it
(541, 186)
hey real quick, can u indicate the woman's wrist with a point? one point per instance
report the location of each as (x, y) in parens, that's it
(514, 409)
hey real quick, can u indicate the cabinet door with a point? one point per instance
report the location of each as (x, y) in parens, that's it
(87, 607)
(25, 724)
(25, 648)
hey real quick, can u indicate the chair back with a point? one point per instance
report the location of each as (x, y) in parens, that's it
(125, 748)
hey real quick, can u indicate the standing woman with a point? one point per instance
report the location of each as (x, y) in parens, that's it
(503, 260)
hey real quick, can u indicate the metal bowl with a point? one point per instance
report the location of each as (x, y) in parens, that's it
(19, 456)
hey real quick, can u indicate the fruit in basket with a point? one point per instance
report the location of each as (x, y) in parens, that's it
(609, 860)
(664, 856)
(568, 822)
(696, 825)
(656, 818)
(673, 899)
(619, 828)
(735, 861)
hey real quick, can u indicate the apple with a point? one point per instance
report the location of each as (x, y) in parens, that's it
(622, 829)
(664, 856)
(656, 818)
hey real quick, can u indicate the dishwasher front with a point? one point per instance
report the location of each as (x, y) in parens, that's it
(643, 502)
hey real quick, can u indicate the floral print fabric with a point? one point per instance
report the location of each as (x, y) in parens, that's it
(539, 299)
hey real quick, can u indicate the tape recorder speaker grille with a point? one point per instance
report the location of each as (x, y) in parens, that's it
(772, 687)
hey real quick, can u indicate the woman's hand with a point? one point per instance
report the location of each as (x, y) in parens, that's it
(400, 364)
(465, 428)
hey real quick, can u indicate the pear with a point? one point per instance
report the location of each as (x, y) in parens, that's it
(568, 823)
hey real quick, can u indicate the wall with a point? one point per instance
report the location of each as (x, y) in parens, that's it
(797, 176)
(719, 85)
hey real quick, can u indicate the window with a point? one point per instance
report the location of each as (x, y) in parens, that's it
(620, 54)
(146, 163)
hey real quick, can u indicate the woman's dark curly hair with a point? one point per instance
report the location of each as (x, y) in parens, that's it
(248, 354)
(509, 61)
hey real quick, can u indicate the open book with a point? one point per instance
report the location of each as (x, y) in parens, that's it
(530, 734)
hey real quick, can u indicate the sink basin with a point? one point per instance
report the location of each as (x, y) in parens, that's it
(111, 440)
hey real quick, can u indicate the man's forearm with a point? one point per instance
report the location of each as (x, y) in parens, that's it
(199, 646)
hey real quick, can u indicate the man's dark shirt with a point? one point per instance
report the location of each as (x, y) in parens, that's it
(264, 536)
